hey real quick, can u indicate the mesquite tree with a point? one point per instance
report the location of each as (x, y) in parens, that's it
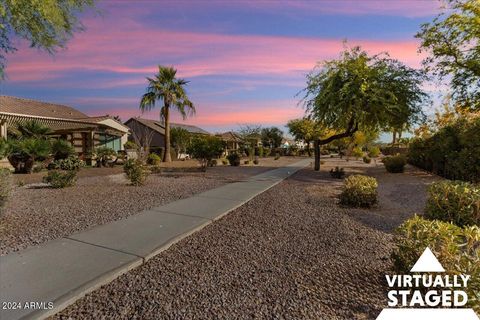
(362, 92)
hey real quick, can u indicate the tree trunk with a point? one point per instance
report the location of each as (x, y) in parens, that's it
(394, 137)
(317, 155)
(167, 157)
(309, 152)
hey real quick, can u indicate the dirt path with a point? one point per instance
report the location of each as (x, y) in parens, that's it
(291, 253)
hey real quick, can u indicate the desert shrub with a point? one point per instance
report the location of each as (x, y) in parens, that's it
(373, 152)
(367, 159)
(246, 162)
(205, 149)
(212, 163)
(104, 155)
(277, 156)
(454, 201)
(234, 159)
(337, 173)
(154, 159)
(61, 178)
(224, 162)
(71, 163)
(359, 191)
(357, 152)
(62, 149)
(456, 248)
(452, 152)
(130, 145)
(395, 164)
(135, 172)
(256, 161)
(5, 187)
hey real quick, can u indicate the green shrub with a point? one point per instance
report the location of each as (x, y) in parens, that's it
(357, 152)
(359, 191)
(135, 172)
(62, 149)
(154, 159)
(395, 164)
(24, 152)
(373, 152)
(130, 145)
(277, 156)
(367, 159)
(71, 163)
(234, 159)
(60, 179)
(38, 167)
(338, 173)
(5, 187)
(246, 162)
(212, 162)
(454, 201)
(456, 248)
(256, 161)
(205, 149)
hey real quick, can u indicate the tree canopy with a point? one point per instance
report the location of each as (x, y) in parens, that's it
(453, 41)
(271, 137)
(362, 92)
(46, 24)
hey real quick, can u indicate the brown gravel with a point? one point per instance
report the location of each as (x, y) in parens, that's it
(37, 214)
(290, 253)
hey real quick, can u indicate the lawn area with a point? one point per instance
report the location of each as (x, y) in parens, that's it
(290, 251)
(36, 214)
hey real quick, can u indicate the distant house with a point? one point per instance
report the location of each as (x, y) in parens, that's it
(83, 132)
(232, 141)
(152, 132)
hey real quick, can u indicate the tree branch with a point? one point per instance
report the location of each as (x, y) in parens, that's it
(351, 129)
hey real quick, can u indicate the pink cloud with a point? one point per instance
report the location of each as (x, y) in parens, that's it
(195, 54)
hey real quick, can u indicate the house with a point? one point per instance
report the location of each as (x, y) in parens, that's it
(232, 141)
(151, 133)
(83, 132)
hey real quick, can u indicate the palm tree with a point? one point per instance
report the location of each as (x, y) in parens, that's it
(167, 88)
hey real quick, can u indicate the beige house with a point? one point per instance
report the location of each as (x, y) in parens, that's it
(232, 141)
(84, 133)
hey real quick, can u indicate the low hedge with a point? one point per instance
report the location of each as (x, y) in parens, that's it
(457, 249)
(452, 152)
(359, 191)
(454, 201)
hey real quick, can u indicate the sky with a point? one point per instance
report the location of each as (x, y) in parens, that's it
(246, 61)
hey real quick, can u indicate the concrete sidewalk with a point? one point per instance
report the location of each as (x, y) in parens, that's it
(55, 274)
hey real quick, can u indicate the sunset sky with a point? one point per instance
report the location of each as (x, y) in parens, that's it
(245, 60)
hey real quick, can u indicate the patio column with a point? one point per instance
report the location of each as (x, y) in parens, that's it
(3, 130)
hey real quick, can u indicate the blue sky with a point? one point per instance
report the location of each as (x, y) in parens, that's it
(245, 60)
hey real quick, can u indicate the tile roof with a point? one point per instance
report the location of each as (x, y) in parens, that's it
(38, 108)
(159, 127)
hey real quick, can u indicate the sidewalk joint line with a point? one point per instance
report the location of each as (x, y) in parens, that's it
(104, 247)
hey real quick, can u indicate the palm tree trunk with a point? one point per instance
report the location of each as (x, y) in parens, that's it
(167, 157)
(394, 137)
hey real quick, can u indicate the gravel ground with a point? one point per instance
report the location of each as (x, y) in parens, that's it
(36, 214)
(290, 253)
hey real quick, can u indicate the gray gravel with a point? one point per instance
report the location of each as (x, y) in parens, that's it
(36, 214)
(290, 253)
